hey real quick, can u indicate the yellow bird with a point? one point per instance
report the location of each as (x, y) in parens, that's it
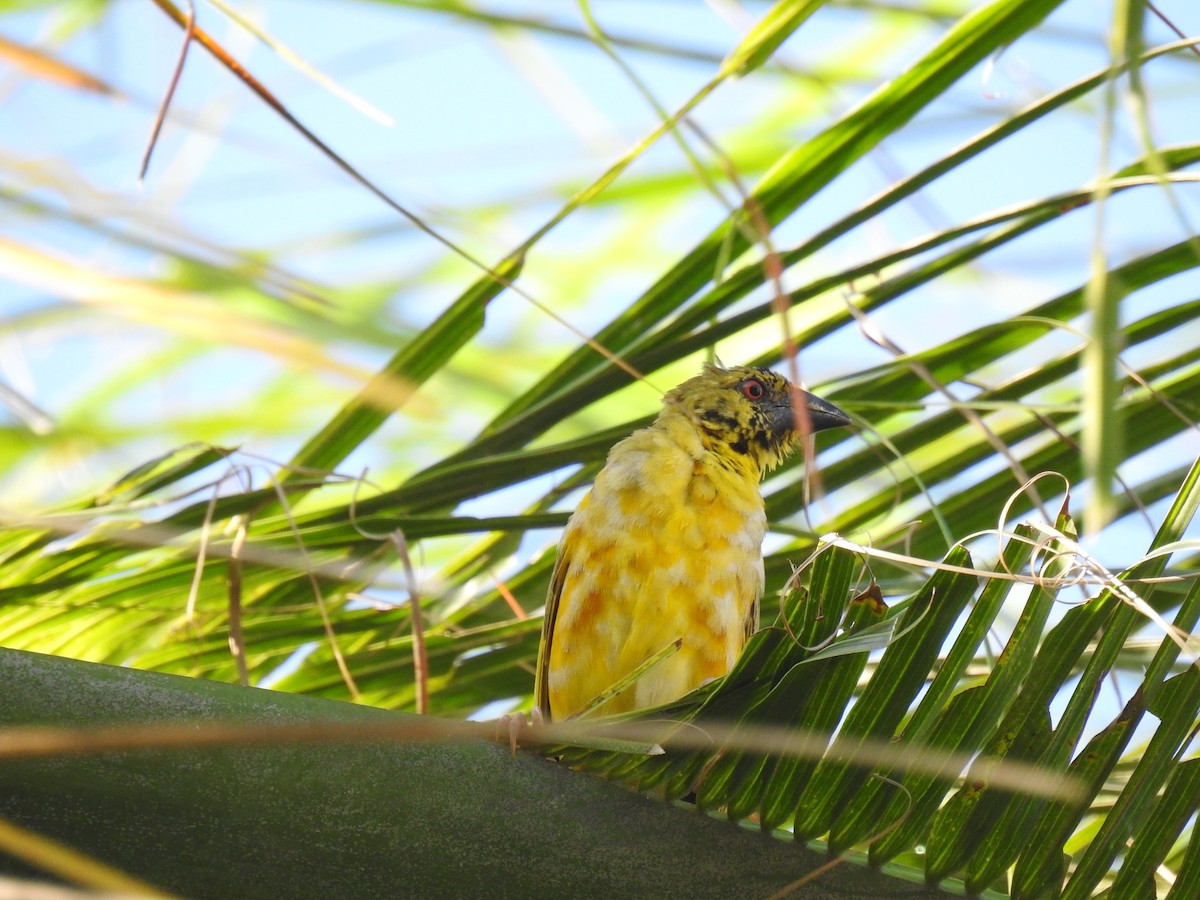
(667, 545)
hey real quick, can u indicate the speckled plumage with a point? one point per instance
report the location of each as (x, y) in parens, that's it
(668, 545)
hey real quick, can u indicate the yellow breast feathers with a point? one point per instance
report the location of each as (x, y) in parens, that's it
(667, 546)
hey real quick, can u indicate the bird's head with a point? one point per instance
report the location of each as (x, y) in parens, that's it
(749, 414)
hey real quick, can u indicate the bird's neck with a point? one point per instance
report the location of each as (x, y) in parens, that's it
(706, 449)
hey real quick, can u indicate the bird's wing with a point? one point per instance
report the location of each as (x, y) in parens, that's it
(751, 623)
(541, 680)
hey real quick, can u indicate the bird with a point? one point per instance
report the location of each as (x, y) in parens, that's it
(660, 566)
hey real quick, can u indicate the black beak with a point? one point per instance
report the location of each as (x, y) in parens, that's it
(821, 414)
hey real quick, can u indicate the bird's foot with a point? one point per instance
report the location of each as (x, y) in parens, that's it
(511, 726)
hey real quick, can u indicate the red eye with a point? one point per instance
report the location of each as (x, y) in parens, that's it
(752, 389)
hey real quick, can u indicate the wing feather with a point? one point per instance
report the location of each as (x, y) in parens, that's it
(541, 678)
(751, 624)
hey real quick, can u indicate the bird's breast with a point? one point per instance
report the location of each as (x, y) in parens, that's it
(664, 548)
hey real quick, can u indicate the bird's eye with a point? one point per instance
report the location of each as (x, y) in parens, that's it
(752, 389)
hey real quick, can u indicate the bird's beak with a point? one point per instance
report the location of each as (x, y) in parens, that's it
(821, 414)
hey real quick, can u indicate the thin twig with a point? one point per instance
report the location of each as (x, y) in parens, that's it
(189, 31)
(845, 856)
(318, 594)
(237, 641)
(1175, 28)
(420, 655)
(504, 592)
